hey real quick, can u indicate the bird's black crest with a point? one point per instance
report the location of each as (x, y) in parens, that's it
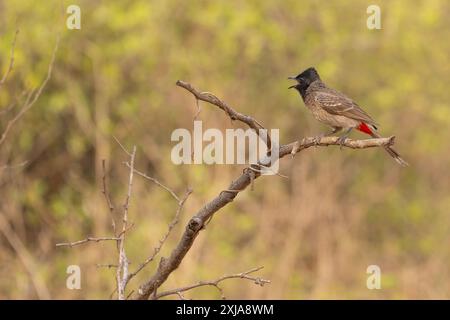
(310, 75)
(304, 80)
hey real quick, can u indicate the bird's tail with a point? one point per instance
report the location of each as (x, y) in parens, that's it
(394, 154)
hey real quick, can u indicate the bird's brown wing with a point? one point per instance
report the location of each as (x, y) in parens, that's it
(337, 103)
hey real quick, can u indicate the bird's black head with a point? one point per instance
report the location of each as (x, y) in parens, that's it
(304, 80)
(307, 77)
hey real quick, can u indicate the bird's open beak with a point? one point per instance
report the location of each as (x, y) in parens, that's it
(292, 78)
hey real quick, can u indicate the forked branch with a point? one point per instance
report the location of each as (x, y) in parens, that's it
(198, 221)
(215, 283)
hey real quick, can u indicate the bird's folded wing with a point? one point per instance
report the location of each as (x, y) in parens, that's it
(338, 104)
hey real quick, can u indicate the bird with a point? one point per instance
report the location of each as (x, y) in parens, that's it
(336, 110)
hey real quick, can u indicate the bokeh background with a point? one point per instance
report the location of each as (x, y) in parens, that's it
(315, 233)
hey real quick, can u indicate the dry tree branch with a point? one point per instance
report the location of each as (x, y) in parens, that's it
(88, 239)
(209, 97)
(106, 265)
(122, 270)
(25, 257)
(32, 96)
(180, 296)
(155, 181)
(122, 276)
(8, 108)
(197, 222)
(107, 197)
(11, 60)
(121, 146)
(157, 249)
(122, 273)
(13, 166)
(215, 283)
(233, 114)
(199, 109)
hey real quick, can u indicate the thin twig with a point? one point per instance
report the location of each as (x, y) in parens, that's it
(199, 109)
(89, 239)
(11, 60)
(129, 295)
(26, 258)
(107, 197)
(130, 184)
(121, 146)
(215, 283)
(33, 96)
(13, 166)
(109, 266)
(126, 230)
(8, 108)
(180, 296)
(157, 249)
(112, 293)
(155, 181)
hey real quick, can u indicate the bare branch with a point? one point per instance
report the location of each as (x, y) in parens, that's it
(89, 239)
(125, 230)
(14, 166)
(33, 95)
(297, 146)
(129, 295)
(123, 148)
(109, 266)
(11, 60)
(157, 249)
(7, 109)
(215, 283)
(180, 296)
(122, 270)
(199, 109)
(155, 181)
(25, 257)
(107, 198)
(233, 114)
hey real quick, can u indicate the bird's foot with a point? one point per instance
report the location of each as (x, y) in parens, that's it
(317, 139)
(341, 141)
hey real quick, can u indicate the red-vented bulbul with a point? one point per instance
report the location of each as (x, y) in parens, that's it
(333, 108)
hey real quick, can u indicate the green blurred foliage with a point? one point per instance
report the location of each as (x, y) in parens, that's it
(315, 233)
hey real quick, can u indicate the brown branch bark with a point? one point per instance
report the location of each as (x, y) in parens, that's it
(233, 114)
(197, 222)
